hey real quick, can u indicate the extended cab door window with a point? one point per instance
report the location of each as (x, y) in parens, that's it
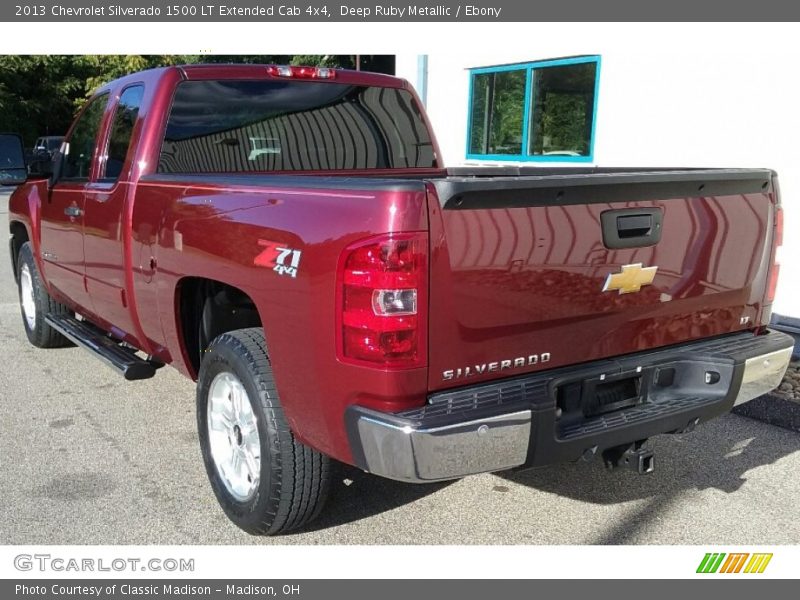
(122, 125)
(77, 163)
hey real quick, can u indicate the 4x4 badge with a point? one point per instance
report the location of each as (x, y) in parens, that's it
(630, 279)
(282, 260)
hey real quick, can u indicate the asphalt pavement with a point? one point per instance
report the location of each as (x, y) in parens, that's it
(87, 458)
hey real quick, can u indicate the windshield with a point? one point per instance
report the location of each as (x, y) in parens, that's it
(251, 126)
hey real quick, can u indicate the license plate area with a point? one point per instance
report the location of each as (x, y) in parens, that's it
(600, 395)
(604, 396)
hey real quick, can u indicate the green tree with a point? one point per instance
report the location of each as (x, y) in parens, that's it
(37, 93)
(107, 67)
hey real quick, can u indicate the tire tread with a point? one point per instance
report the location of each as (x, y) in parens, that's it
(300, 475)
(43, 336)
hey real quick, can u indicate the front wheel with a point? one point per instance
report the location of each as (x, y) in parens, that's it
(266, 481)
(36, 303)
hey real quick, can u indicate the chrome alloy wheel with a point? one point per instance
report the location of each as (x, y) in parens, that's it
(26, 296)
(233, 436)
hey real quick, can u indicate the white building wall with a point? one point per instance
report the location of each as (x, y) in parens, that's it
(713, 102)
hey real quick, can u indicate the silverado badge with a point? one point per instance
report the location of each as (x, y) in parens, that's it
(631, 279)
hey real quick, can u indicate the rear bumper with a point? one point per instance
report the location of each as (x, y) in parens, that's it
(763, 373)
(519, 422)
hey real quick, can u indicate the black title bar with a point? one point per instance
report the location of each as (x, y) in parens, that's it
(371, 11)
(399, 589)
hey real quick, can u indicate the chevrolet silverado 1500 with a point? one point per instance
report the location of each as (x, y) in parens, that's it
(289, 238)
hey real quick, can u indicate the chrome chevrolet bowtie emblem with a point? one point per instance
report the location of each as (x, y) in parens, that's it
(631, 279)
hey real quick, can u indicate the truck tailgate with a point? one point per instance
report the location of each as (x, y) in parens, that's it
(535, 272)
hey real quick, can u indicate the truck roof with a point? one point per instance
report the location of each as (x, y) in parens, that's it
(252, 71)
(239, 71)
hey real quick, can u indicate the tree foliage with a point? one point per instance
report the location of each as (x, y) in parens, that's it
(497, 109)
(561, 111)
(39, 95)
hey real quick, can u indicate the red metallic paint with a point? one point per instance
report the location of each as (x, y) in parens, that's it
(215, 233)
(514, 282)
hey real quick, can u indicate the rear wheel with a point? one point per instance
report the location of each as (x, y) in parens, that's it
(36, 303)
(266, 481)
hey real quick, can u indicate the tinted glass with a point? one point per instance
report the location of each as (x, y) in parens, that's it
(498, 101)
(563, 110)
(246, 126)
(12, 156)
(54, 144)
(125, 116)
(77, 163)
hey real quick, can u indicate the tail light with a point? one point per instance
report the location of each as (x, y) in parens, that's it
(382, 303)
(777, 241)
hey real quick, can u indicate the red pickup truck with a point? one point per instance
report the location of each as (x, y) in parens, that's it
(289, 238)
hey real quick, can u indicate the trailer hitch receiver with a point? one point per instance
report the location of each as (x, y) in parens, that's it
(630, 456)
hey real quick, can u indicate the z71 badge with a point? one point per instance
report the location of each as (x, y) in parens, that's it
(282, 260)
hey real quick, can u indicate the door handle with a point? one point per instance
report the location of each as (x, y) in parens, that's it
(631, 227)
(73, 211)
(638, 225)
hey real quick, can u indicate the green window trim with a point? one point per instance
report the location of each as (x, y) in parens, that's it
(523, 149)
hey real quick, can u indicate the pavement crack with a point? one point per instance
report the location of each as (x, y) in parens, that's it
(152, 489)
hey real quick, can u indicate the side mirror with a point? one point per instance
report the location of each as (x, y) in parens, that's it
(12, 160)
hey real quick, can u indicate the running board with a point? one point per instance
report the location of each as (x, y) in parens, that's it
(89, 337)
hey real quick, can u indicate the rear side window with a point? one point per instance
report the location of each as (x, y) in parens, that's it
(125, 116)
(78, 161)
(252, 126)
(498, 101)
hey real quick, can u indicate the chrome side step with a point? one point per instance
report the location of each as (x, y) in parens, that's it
(111, 352)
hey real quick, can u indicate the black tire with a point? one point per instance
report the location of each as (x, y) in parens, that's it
(41, 334)
(294, 479)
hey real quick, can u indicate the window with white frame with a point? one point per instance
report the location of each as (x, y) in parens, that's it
(538, 111)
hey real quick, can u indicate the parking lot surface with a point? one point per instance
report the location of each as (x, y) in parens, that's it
(87, 458)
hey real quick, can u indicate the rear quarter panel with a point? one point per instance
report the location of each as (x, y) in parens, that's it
(212, 232)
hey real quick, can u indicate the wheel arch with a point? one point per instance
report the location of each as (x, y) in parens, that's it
(24, 212)
(19, 235)
(206, 308)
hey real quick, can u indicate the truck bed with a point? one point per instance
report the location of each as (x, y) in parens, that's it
(519, 257)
